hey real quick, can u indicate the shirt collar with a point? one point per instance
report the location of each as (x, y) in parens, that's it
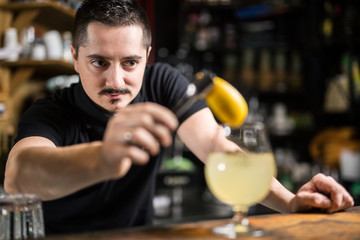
(90, 112)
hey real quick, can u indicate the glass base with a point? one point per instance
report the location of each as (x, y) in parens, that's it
(232, 230)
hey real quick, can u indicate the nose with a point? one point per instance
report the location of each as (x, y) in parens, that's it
(115, 77)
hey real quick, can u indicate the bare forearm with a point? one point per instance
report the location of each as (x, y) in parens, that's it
(279, 198)
(53, 172)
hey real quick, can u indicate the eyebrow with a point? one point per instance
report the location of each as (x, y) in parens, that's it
(97, 56)
(136, 57)
(132, 57)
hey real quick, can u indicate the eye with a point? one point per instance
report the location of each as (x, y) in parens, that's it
(99, 63)
(130, 63)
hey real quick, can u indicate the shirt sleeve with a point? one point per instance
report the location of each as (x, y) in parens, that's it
(168, 87)
(42, 119)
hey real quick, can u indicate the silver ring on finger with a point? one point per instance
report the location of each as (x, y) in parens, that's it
(127, 137)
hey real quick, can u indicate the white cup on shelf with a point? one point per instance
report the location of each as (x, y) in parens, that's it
(11, 43)
(54, 45)
(38, 52)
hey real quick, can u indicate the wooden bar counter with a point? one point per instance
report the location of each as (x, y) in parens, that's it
(343, 225)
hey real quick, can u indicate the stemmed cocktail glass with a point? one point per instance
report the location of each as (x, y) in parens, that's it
(240, 176)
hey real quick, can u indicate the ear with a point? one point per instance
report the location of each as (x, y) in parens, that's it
(148, 53)
(73, 53)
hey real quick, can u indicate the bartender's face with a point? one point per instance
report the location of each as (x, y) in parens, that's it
(111, 64)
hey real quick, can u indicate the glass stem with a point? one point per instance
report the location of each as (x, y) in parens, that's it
(241, 223)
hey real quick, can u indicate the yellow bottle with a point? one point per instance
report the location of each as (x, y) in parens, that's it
(224, 100)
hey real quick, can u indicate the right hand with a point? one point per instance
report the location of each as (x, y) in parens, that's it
(135, 133)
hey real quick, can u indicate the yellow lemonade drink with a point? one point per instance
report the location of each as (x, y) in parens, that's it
(240, 179)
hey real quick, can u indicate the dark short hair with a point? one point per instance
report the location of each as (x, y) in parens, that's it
(111, 13)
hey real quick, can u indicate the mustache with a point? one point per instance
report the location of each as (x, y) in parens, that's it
(112, 91)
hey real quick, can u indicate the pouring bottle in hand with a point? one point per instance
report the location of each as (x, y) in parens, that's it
(224, 100)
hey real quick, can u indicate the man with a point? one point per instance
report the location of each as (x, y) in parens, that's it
(92, 151)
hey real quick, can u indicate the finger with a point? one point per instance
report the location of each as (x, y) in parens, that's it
(123, 167)
(159, 113)
(317, 200)
(137, 155)
(336, 202)
(163, 115)
(145, 140)
(162, 134)
(134, 153)
(341, 201)
(350, 201)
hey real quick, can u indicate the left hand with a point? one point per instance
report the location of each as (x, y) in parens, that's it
(321, 192)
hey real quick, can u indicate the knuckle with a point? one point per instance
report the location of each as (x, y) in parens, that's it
(115, 122)
(337, 205)
(322, 178)
(136, 133)
(148, 106)
(145, 119)
(319, 176)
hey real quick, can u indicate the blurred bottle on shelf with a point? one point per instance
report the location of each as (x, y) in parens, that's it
(256, 112)
(247, 71)
(327, 24)
(266, 75)
(280, 71)
(355, 78)
(279, 122)
(333, 27)
(230, 36)
(230, 63)
(337, 93)
(295, 75)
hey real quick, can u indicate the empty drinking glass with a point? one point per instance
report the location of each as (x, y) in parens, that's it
(21, 217)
